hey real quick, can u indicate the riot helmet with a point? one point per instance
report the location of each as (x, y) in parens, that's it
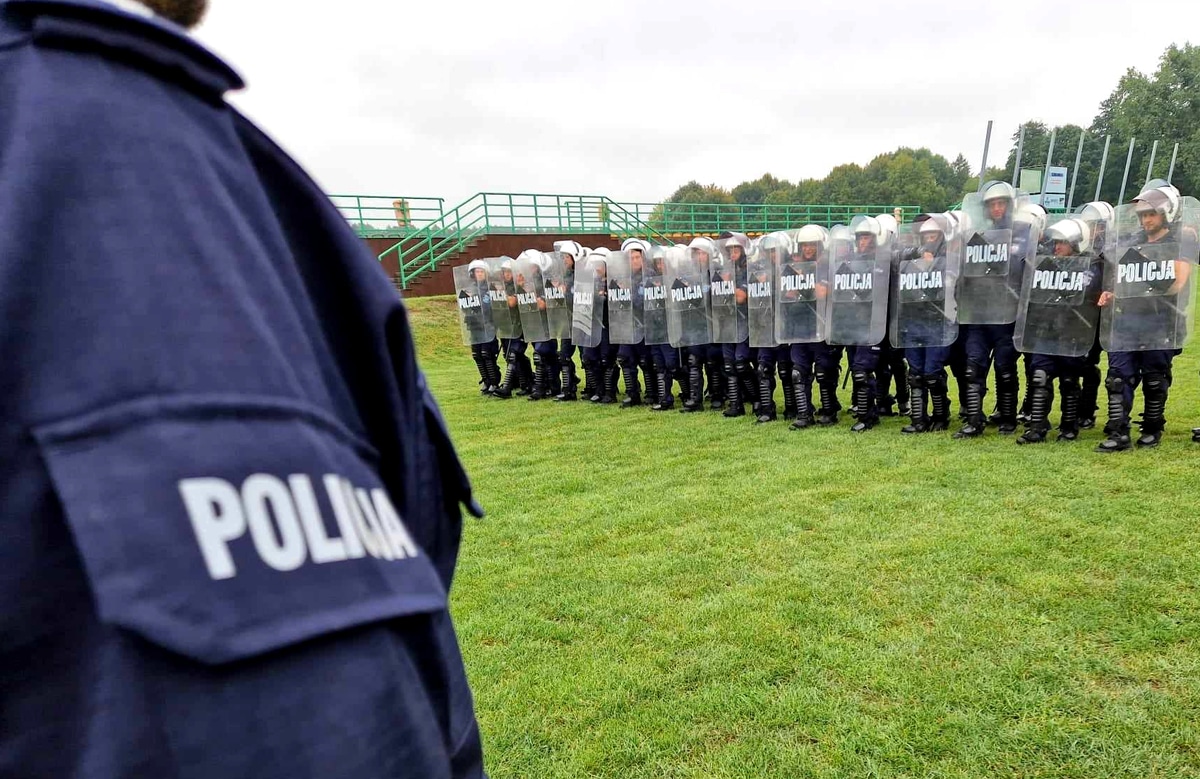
(1070, 236)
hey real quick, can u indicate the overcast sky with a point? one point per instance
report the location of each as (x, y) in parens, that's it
(631, 99)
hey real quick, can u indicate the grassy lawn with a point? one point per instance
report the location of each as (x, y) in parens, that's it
(670, 595)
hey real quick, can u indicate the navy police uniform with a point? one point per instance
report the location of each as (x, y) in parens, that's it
(232, 508)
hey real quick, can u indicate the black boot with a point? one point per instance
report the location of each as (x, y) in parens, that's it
(1117, 428)
(633, 389)
(650, 374)
(569, 382)
(939, 401)
(1027, 401)
(1040, 397)
(803, 392)
(916, 406)
(734, 406)
(718, 384)
(1154, 392)
(864, 400)
(663, 380)
(541, 378)
(524, 376)
(903, 386)
(610, 374)
(766, 411)
(748, 379)
(695, 382)
(1088, 395)
(1008, 391)
(511, 372)
(593, 382)
(1068, 423)
(973, 405)
(884, 400)
(827, 387)
(681, 376)
(788, 385)
(485, 385)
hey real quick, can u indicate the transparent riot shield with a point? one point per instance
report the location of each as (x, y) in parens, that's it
(474, 305)
(654, 298)
(802, 285)
(686, 280)
(1057, 313)
(531, 303)
(587, 312)
(1149, 278)
(992, 260)
(503, 291)
(773, 252)
(557, 294)
(858, 296)
(923, 310)
(727, 274)
(624, 298)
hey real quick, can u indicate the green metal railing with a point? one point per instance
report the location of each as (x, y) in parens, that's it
(421, 249)
(512, 214)
(379, 216)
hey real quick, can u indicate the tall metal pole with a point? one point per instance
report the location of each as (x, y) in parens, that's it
(1103, 165)
(1125, 178)
(1150, 167)
(1171, 172)
(987, 141)
(1046, 170)
(1075, 170)
(1017, 161)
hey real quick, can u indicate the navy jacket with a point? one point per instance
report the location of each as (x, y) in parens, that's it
(230, 505)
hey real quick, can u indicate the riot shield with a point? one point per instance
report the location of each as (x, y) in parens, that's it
(686, 280)
(991, 261)
(923, 311)
(557, 293)
(531, 303)
(624, 299)
(858, 296)
(1149, 279)
(654, 300)
(762, 269)
(474, 305)
(1057, 313)
(503, 291)
(727, 274)
(587, 323)
(801, 314)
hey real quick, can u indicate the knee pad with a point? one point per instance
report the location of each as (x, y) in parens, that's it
(1155, 382)
(1069, 384)
(693, 361)
(860, 376)
(741, 366)
(1114, 383)
(623, 361)
(936, 381)
(1007, 378)
(975, 373)
(823, 376)
(764, 371)
(1039, 379)
(785, 370)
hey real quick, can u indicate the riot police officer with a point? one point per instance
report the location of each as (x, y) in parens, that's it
(518, 372)
(730, 325)
(690, 297)
(1146, 295)
(572, 253)
(632, 356)
(479, 328)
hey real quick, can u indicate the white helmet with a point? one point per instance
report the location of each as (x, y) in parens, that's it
(736, 239)
(812, 234)
(1032, 213)
(866, 225)
(506, 263)
(603, 251)
(1097, 211)
(1154, 200)
(636, 243)
(1074, 231)
(998, 189)
(1173, 196)
(888, 227)
(531, 255)
(569, 247)
(931, 225)
(705, 245)
(475, 265)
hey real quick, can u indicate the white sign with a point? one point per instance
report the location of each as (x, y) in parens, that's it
(1056, 180)
(1049, 200)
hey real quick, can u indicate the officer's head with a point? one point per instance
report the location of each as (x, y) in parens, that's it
(1152, 208)
(931, 233)
(774, 249)
(478, 270)
(1070, 237)
(506, 271)
(811, 240)
(1097, 215)
(866, 233)
(702, 250)
(736, 247)
(637, 249)
(185, 13)
(998, 197)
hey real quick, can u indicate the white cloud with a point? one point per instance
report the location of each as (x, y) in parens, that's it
(632, 99)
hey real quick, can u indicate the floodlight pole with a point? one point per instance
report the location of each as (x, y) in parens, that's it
(1046, 170)
(1150, 167)
(1017, 162)
(1125, 178)
(987, 141)
(1103, 165)
(1171, 172)
(1075, 171)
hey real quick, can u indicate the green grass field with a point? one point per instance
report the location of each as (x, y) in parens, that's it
(670, 595)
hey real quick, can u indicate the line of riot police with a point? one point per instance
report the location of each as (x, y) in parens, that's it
(970, 290)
